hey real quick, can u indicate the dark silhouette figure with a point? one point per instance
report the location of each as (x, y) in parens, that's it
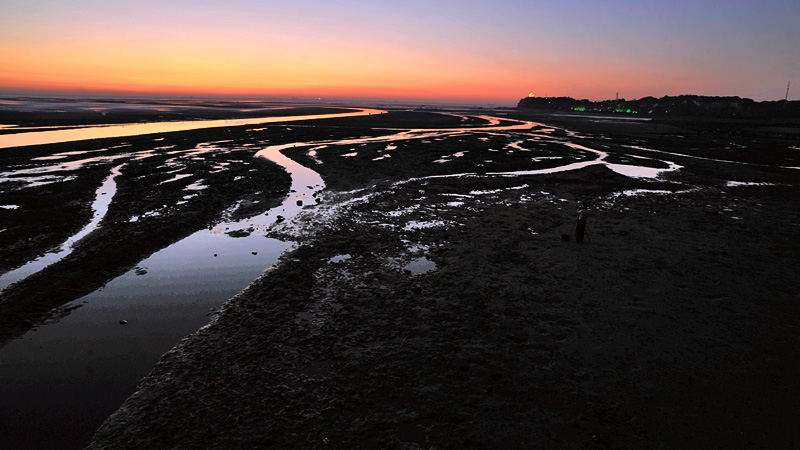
(580, 226)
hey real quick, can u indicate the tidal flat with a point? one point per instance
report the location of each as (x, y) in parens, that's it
(425, 297)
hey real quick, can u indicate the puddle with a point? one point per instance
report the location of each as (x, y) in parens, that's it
(339, 258)
(37, 181)
(312, 153)
(642, 172)
(748, 183)
(516, 146)
(449, 158)
(422, 224)
(403, 212)
(497, 191)
(61, 167)
(416, 248)
(196, 186)
(457, 195)
(176, 178)
(637, 192)
(420, 265)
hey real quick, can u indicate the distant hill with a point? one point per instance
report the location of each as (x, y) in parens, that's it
(681, 105)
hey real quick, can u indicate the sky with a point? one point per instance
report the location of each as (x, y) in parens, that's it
(478, 52)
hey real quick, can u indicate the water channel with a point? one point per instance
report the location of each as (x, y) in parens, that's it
(136, 129)
(68, 376)
(75, 372)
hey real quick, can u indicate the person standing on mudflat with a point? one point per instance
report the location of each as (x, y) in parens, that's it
(580, 226)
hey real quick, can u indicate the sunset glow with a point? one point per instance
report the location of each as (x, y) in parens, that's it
(483, 52)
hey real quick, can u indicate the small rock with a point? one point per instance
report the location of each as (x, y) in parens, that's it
(123, 322)
(239, 233)
(141, 271)
(255, 253)
(299, 203)
(215, 255)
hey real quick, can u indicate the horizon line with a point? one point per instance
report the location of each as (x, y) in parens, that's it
(290, 99)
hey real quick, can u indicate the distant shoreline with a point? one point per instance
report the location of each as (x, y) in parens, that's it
(669, 106)
(276, 101)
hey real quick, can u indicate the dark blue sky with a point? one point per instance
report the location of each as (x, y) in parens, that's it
(487, 51)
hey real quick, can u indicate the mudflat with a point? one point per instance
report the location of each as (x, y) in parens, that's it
(431, 302)
(429, 311)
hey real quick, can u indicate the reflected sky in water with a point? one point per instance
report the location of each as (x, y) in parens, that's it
(79, 134)
(103, 197)
(171, 293)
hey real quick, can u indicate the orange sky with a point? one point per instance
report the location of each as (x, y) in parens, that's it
(304, 68)
(417, 51)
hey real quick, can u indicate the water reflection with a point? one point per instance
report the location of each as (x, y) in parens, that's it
(79, 134)
(420, 265)
(105, 193)
(175, 289)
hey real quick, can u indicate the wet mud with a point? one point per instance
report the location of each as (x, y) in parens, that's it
(171, 185)
(675, 325)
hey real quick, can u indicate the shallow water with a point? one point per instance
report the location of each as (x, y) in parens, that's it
(91, 353)
(136, 129)
(420, 265)
(168, 296)
(84, 365)
(105, 193)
